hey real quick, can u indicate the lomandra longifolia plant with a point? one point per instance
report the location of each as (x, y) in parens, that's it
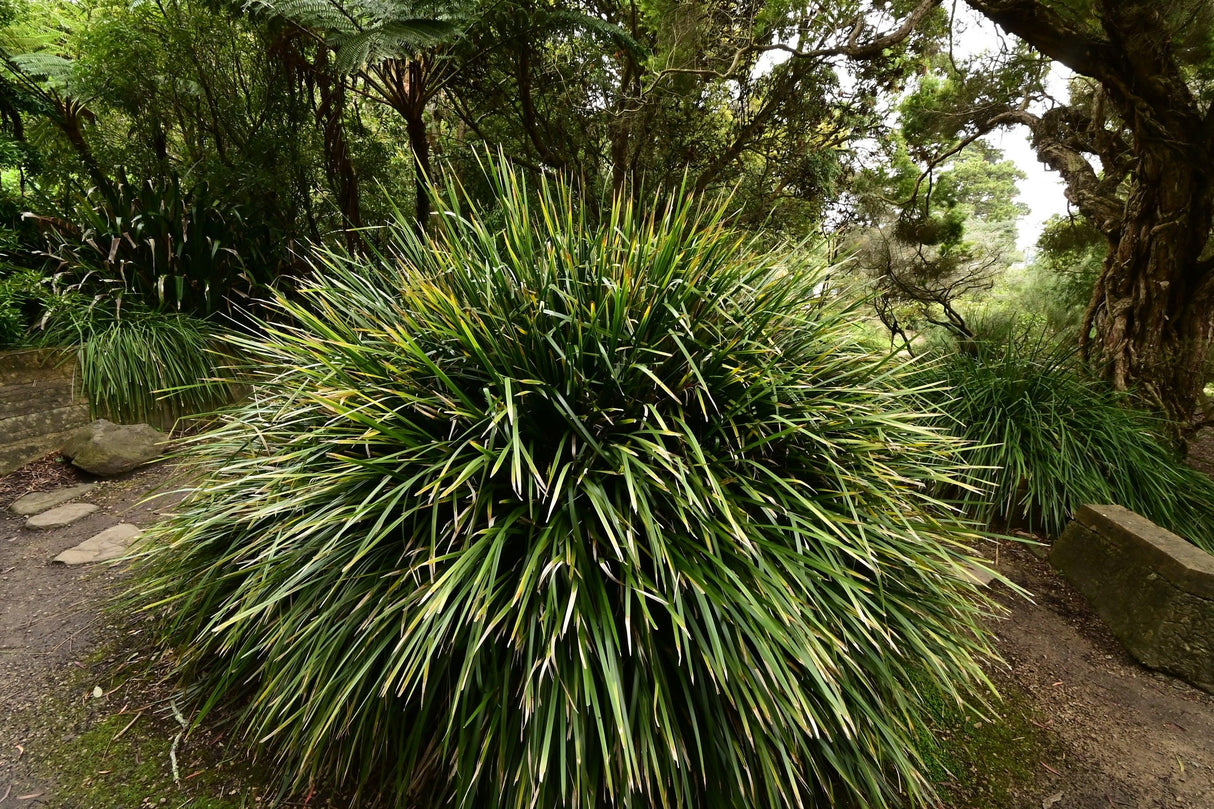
(1053, 438)
(559, 515)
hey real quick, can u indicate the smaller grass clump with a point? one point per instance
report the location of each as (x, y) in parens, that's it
(1056, 439)
(139, 364)
(562, 515)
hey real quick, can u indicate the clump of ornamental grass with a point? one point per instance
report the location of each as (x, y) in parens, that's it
(562, 515)
(139, 364)
(1054, 439)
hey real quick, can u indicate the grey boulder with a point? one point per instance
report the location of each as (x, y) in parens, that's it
(106, 449)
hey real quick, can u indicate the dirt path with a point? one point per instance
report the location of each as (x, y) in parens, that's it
(1125, 736)
(51, 616)
(1111, 734)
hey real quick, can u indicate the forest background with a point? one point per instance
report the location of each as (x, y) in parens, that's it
(180, 157)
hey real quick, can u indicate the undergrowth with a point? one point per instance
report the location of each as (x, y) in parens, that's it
(1054, 439)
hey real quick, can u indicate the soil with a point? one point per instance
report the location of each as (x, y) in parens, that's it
(1118, 735)
(1083, 725)
(1201, 451)
(53, 618)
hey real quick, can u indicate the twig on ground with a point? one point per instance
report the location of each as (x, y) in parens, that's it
(176, 740)
(125, 729)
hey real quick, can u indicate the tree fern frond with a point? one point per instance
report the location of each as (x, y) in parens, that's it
(323, 15)
(595, 26)
(392, 41)
(379, 29)
(44, 65)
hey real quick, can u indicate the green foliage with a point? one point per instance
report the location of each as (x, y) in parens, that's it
(271, 103)
(369, 32)
(172, 248)
(557, 515)
(23, 297)
(129, 93)
(660, 90)
(138, 365)
(1057, 440)
(936, 205)
(1071, 254)
(12, 327)
(936, 234)
(982, 183)
(958, 97)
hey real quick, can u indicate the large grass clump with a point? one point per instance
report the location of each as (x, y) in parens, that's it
(562, 515)
(1055, 439)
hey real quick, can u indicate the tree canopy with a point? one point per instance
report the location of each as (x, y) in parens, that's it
(304, 119)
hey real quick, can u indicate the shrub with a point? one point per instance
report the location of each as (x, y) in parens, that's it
(173, 248)
(23, 299)
(1057, 439)
(138, 365)
(12, 323)
(563, 516)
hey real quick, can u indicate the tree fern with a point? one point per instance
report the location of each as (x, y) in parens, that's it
(364, 32)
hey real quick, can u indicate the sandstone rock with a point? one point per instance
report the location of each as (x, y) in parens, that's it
(40, 404)
(60, 515)
(1154, 590)
(106, 449)
(37, 502)
(109, 544)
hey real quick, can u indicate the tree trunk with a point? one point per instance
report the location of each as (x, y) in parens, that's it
(339, 168)
(409, 97)
(69, 117)
(420, 144)
(1149, 324)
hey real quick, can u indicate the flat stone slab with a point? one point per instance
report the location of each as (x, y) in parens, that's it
(60, 515)
(1153, 589)
(109, 544)
(38, 502)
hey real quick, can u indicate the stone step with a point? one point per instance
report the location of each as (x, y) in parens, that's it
(109, 544)
(38, 502)
(60, 516)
